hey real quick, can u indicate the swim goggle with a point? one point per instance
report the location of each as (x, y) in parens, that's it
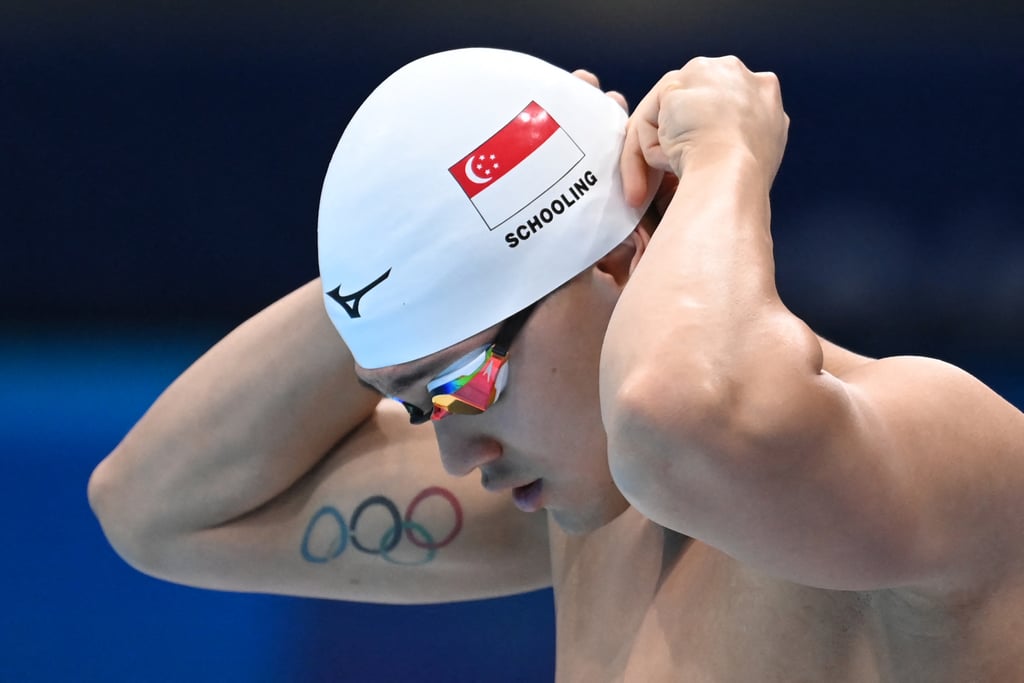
(472, 384)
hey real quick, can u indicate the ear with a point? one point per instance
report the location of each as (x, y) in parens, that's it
(621, 261)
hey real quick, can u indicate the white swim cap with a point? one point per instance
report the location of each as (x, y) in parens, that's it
(469, 185)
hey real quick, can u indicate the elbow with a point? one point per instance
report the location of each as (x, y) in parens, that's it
(657, 432)
(663, 431)
(650, 401)
(734, 405)
(102, 494)
(107, 498)
(655, 405)
(126, 524)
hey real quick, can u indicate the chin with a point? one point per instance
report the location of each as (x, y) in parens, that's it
(578, 521)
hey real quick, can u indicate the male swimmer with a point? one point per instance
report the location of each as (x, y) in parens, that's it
(714, 492)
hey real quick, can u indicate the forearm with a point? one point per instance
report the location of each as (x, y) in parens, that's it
(240, 426)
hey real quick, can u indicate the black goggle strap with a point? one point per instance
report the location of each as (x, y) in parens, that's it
(510, 329)
(416, 416)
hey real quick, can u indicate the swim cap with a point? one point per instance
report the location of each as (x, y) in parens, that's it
(469, 184)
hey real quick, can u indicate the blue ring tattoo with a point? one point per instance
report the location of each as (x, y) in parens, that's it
(342, 543)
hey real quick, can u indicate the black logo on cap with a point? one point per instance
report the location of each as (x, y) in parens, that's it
(350, 302)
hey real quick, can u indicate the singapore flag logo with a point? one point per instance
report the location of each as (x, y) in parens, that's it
(516, 165)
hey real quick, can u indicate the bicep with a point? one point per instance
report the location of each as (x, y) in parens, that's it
(377, 520)
(900, 472)
(946, 454)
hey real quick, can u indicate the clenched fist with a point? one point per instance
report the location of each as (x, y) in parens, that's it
(709, 107)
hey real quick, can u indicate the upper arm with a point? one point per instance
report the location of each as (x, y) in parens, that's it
(378, 519)
(899, 472)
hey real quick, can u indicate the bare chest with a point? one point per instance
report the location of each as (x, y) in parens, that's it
(640, 605)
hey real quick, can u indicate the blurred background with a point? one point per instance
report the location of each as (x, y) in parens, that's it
(160, 167)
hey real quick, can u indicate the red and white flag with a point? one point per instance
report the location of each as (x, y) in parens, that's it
(516, 165)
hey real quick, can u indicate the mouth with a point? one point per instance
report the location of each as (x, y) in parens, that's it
(528, 497)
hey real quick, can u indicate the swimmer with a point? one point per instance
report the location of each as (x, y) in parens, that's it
(519, 282)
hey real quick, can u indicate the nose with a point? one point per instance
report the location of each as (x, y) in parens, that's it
(461, 454)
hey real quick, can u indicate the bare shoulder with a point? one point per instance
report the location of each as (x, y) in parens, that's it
(903, 382)
(957, 446)
(954, 399)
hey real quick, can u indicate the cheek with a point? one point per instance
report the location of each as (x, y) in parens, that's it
(560, 412)
(555, 387)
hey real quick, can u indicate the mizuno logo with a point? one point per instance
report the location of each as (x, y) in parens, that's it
(350, 302)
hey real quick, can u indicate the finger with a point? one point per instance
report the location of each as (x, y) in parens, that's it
(641, 139)
(619, 98)
(642, 150)
(588, 77)
(591, 79)
(633, 167)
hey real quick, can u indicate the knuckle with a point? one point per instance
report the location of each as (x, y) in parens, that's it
(697, 63)
(769, 85)
(670, 75)
(671, 80)
(731, 62)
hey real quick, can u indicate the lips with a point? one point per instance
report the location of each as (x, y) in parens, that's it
(527, 497)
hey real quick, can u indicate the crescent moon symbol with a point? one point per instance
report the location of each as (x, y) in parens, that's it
(473, 176)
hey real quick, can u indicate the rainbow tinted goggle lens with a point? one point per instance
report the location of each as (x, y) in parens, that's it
(472, 385)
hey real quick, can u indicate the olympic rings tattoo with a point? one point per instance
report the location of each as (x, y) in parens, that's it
(416, 533)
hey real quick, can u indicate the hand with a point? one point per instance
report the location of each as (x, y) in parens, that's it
(666, 181)
(710, 106)
(590, 78)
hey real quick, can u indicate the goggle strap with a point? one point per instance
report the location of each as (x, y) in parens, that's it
(416, 416)
(510, 329)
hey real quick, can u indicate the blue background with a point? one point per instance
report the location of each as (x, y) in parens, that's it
(159, 175)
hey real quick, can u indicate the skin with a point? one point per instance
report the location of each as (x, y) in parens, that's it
(727, 496)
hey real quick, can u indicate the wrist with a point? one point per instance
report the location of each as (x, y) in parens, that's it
(714, 154)
(726, 167)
